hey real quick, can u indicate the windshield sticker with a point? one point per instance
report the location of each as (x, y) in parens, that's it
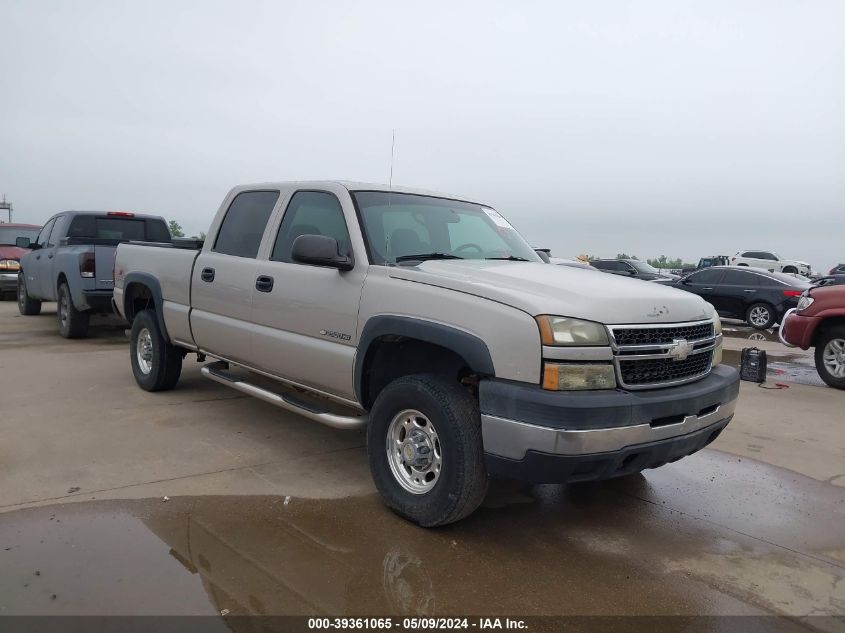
(498, 220)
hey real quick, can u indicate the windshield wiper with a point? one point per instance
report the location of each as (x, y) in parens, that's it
(510, 258)
(425, 256)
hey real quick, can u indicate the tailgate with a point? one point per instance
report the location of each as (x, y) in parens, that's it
(104, 266)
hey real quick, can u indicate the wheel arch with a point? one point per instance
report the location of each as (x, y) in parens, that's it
(142, 291)
(825, 326)
(388, 338)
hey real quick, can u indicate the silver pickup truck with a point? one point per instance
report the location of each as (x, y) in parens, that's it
(431, 322)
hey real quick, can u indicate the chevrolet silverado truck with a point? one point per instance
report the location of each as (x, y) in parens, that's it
(71, 262)
(429, 321)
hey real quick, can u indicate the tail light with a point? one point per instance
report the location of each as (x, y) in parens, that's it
(791, 293)
(121, 214)
(86, 265)
(733, 259)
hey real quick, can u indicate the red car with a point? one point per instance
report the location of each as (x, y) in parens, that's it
(819, 321)
(10, 254)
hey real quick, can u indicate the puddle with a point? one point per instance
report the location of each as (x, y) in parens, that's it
(783, 367)
(713, 534)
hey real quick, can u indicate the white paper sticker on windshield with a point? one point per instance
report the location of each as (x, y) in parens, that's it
(498, 220)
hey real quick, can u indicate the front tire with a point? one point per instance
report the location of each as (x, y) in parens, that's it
(789, 270)
(27, 306)
(760, 316)
(156, 363)
(830, 356)
(73, 323)
(425, 450)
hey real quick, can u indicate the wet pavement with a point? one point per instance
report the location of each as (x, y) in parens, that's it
(717, 534)
(784, 363)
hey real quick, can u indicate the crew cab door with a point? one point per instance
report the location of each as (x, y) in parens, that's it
(223, 280)
(305, 316)
(38, 269)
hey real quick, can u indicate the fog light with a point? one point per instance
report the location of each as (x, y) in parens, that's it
(561, 377)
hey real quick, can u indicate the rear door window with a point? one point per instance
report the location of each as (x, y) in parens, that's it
(243, 226)
(741, 278)
(712, 276)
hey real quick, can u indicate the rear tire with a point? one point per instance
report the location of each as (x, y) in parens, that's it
(156, 363)
(790, 269)
(760, 316)
(27, 306)
(425, 450)
(73, 323)
(830, 356)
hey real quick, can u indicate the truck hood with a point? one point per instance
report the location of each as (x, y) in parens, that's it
(539, 288)
(11, 252)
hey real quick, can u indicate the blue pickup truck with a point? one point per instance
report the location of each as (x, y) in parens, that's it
(72, 261)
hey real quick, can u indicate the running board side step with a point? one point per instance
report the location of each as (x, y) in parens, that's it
(218, 372)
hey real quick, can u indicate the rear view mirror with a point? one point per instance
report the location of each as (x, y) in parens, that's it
(23, 242)
(320, 250)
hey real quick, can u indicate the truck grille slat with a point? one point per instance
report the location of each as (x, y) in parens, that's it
(662, 335)
(654, 371)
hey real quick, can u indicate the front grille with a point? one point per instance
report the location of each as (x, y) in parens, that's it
(650, 371)
(662, 335)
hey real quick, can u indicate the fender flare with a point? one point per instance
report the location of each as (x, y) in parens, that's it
(471, 348)
(146, 279)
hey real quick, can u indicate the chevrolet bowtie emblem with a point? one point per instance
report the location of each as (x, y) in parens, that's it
(680, 349)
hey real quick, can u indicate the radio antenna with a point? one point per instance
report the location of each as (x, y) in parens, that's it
(392, 146)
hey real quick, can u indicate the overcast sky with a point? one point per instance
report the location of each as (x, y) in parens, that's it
(677, 128)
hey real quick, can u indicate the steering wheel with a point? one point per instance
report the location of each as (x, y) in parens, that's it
(468, 245)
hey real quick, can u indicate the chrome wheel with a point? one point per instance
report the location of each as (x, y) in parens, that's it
(759, 316)
(833, 357)
(144, 351)
(413, 452)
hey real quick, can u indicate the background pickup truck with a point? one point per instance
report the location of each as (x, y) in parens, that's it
(71, 262)
(431, 322)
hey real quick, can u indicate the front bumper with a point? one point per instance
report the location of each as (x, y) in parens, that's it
(797, 330)
(557, 437)
(8, 282)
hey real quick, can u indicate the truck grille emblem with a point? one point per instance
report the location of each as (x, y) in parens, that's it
(680, 349)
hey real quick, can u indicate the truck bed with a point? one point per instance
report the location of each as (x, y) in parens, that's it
(172, 267)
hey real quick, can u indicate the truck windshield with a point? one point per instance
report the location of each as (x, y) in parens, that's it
(401, 225)
(119, 229)
(9, 234)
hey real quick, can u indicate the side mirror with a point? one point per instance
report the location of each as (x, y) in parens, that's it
(631, 273)
(543, 253)
(23, 242)
(320, 250)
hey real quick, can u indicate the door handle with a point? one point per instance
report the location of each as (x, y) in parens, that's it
(264, 283)
(50, 256)
(207, 274)
(707, 288)
(38, 257)
(749, 290)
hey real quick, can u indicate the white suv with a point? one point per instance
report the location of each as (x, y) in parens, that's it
(770, 261)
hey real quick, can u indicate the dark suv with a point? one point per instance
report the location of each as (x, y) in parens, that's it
(631, 268)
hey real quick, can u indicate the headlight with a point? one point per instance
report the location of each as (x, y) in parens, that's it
(555, 330)
(804, 302)
(10, 264)
(563, 377)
